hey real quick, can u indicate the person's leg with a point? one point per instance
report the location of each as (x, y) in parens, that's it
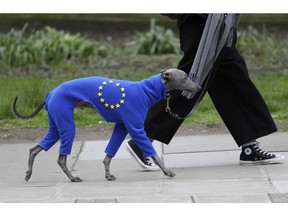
(242, 109)
(238, 101)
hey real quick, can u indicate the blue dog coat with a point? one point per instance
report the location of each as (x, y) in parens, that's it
(123, 102)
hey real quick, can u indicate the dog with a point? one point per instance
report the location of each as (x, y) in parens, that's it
(123, 102)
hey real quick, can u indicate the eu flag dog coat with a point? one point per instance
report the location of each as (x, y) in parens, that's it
(123, 102)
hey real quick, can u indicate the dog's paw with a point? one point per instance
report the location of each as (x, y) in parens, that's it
(76, 179)
(28, 175)
(110, 178)
(170, 174)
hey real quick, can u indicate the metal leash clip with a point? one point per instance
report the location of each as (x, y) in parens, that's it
(168, 109)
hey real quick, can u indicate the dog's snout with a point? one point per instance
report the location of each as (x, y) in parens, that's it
(198, 87)
(179, 80)
(194, 87)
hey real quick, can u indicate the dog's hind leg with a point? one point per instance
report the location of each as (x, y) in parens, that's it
(32, 154)
(106, 162)
(62, 161)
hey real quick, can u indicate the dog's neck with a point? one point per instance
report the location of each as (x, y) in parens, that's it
(154, 88)
(163, 80)
(167, 84)
(168, 87)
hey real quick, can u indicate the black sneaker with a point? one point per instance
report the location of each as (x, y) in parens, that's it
(253, 154)
(145, 162)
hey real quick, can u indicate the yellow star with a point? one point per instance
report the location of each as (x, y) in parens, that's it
(122, 89)
(112, 107)
(123, 95)
(121, 101)
(100, 87)
(106, 105)
(117, 105)
(102, 100)
(110, 81)
(104, 83)
(117, 84)
(99, 94)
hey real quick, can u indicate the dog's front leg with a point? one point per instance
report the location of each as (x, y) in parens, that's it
(158, 162)
(62, 161)
(106, 162)
(32, 154)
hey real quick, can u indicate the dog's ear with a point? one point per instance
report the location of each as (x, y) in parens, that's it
(165, 75)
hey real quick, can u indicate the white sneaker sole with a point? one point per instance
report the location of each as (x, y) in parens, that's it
(153, 167)
(278, 159)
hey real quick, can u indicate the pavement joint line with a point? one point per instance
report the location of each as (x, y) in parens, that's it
(159, 187)
(58, 190)
(208, 151)
(77, 156)
(96, 200)
(231, 179)
(192, 199)
(265, 172)
(278, 197)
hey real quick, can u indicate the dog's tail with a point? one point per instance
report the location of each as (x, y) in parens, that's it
(17, 114)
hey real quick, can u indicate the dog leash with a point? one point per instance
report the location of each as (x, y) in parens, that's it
(168, 109)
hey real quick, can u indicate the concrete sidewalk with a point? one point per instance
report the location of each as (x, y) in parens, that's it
(206, 166)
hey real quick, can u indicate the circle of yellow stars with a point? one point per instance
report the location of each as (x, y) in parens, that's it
(103, 100)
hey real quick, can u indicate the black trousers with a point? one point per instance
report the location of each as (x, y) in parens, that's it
(235, 97)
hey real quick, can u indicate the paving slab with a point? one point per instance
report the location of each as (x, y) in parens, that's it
(207, 171)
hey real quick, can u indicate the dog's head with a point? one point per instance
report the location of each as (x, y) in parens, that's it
(176, 79)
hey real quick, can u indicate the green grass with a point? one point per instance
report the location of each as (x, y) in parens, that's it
(266, 57)
(273, 88)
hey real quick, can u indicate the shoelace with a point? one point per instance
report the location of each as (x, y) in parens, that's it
(261, 151)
